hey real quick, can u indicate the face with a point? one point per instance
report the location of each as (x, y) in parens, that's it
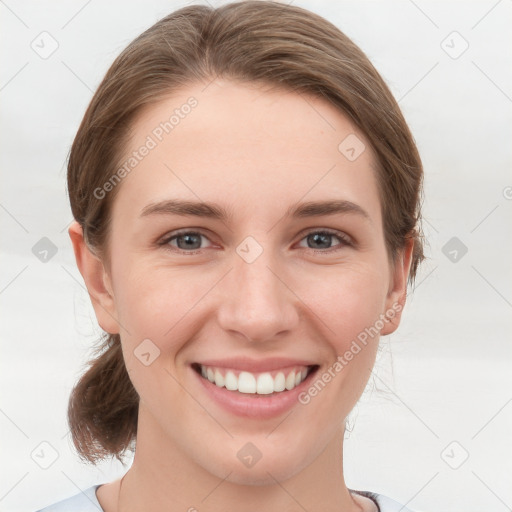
(272, 296)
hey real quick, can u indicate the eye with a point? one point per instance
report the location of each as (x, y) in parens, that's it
(186, 241)
(322, 240)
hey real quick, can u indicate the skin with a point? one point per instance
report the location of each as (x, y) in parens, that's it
(256, 152)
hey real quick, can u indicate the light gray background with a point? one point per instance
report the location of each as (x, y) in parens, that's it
(444, 376)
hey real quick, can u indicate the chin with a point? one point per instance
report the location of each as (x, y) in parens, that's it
(265, 471)
(262, 476)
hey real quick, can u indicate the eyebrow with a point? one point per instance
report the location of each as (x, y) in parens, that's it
(215, 211)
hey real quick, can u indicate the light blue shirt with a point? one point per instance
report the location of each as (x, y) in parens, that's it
(87, 501)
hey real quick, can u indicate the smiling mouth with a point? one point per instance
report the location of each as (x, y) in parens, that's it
(255, 383)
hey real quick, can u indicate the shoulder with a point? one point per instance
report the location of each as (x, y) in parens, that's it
(85, 501)
(388, 505)
(384, 503)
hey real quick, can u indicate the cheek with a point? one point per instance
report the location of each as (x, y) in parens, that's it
(347, 308)
(347, 302)
(153, 307)
(152, 301)
(161, 303)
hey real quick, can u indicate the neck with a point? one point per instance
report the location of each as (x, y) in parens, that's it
(162, 477)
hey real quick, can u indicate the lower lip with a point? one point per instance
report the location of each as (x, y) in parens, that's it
(254, 405)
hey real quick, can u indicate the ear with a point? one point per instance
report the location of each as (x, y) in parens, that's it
(397, 294)
(97, 280)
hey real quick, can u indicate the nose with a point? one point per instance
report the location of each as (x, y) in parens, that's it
(256, 301)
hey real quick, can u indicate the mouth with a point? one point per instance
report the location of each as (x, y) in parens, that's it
(270, 382)
(257, 390)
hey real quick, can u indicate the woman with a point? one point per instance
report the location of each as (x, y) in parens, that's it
(246, 201)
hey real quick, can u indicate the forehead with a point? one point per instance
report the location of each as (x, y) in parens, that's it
(250, 148)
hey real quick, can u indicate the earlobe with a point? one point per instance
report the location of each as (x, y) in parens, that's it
(397, 294)
(96, 279)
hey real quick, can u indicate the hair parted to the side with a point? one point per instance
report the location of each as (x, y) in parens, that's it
(271, 43)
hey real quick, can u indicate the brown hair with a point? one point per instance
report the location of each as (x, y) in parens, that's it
(249, 41)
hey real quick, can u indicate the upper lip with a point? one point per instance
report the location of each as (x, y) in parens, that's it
(255, 365)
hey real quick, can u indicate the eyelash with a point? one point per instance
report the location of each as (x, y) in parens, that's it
(344, 239)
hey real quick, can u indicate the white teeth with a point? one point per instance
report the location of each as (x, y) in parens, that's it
(279, 382)
(247, 382)
(265, 384)
(290, 381)
(219, 379)
(231, 382)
